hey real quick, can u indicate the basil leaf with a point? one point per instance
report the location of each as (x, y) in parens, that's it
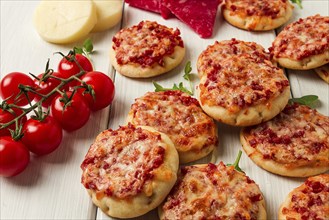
(309, 100)
(187, 70)
(88, 46)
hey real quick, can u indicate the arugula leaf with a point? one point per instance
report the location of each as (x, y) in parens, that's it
(159, 88)
(180, 86)
(309, 100)
(298, 2)
(236, 162)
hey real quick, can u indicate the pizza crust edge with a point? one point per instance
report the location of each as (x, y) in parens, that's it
(320, 71)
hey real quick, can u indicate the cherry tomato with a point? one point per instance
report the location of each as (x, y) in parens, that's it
(9, 88)
(103, 87)
(42, 137)
(74, 116)
(45, 87)
(14, 156)
(6, 116)
(68, 68)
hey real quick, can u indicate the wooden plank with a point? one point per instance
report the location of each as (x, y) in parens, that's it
(50, 187)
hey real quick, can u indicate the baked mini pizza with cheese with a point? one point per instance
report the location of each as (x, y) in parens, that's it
(295, 143)
(323, 72)
(180, 116)
(215, 54)
(309, 201)
(243, 91)
(146, 49)
(257, 15)
(129, 171)
(209, 191)
(303, 44)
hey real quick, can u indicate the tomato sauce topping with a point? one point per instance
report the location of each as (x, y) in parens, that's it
(212, 192)
(179, 116)
(298, 136)
(310, 200)
(244, 8)
(146, 44)
(242, 81)
(302, 39)
(119, 163)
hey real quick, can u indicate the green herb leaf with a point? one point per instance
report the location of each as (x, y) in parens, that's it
(86, 50)
(309, 100)
(180, 86)
(88, 46)
(298, 2)
(78, 50)
(236, 162)
(187, 75)
(187, 71)
(158, 87)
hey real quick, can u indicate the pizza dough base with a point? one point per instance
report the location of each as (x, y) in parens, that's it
(261, 204)
(249, 116)
(135, 70)
(323, 72)
(306, 63)
(189, 156)
(278, 168)
(164, 179)
(257, 23)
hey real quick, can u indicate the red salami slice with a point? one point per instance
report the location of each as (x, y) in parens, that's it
(198, 14)
(151, 5)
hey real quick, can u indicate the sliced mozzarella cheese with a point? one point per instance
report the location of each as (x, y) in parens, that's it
(64, 21)
(109, 13)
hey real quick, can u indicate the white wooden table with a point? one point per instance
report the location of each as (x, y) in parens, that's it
(50, 187)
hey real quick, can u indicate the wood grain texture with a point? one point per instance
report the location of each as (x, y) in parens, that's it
(50, 188)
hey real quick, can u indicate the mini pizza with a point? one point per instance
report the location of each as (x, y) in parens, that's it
(303, 44)
(218, 52)
(295, 143)
(209, 191)
(242, 91)
(147, 49)
(257, 15)
(309, 201)
(323, 72)
(129, 171)
(180, 116)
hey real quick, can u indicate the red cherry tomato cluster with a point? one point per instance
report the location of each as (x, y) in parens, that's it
(70, 107)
